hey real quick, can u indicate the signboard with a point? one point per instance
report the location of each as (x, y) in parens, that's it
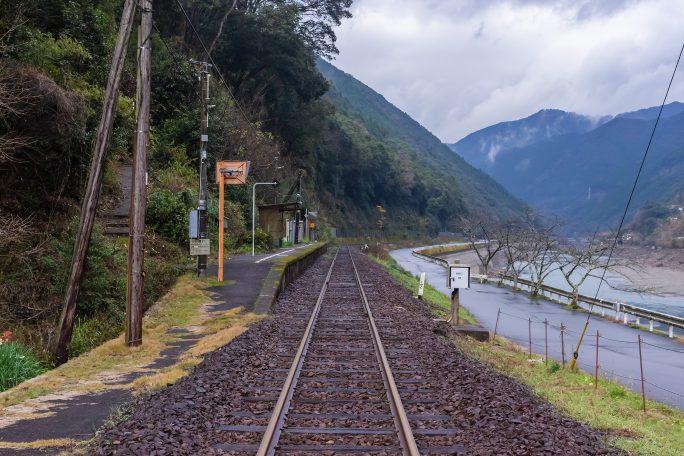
(234, 172)
(458, 276)
(200, 247)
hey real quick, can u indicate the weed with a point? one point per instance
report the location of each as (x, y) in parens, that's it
(17, 363)
(89, 333)
(615, 391)
(554, 367)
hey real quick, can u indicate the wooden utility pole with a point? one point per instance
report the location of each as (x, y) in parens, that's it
(136, 236)
(92, 193)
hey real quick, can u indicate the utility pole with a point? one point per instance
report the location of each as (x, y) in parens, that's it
(92, 193)
(136, 215)
(204, 68)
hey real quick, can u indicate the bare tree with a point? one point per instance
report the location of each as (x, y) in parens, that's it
(481, 234)
(222, 23)
(578, 262)
(514, 246)
(542, 242)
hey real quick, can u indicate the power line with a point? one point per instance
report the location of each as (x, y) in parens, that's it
(629, 201)
(208, 54)
(636, 180)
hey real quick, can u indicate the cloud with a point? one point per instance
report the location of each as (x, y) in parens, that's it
(458, 66)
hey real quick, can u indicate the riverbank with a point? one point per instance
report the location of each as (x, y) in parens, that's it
(658, 271)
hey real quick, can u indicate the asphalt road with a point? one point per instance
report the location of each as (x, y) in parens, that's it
(618, 348)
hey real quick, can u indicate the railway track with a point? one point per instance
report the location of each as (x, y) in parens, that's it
(341, 385)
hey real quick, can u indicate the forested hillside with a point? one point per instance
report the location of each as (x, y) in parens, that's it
(365, 165)
(410, 171)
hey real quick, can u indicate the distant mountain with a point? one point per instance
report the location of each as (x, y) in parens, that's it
(376, 155)
(482, 148)
(669, 110)
(585, 177)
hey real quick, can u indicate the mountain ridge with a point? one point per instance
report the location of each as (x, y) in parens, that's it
(585, 177)
(422, 170)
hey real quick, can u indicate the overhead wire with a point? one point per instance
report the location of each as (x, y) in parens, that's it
(629, 201)
(211, 60)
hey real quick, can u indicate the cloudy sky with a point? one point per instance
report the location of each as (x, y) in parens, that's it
(460, 65)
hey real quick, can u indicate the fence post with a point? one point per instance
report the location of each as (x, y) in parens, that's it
(496, 326)
(671, 332)
(597, 350)
(562, 330)
(529, 327)
(546, 342)
(421, 286)
(641, 367)
(650, 326)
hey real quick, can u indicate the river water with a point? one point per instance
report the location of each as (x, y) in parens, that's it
(617, 288)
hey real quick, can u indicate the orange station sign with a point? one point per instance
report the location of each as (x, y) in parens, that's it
(232, 172)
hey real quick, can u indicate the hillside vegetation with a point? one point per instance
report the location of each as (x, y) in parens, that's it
(412, 174)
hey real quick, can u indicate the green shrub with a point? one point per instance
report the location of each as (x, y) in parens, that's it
(17, 363)
(262, 241)
(104, 283)
(167, 214)
(554, 367)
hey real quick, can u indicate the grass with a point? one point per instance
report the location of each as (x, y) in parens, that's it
(17, 363)
(440, 303)
(179, 307)
(37, 444)
(610, 408)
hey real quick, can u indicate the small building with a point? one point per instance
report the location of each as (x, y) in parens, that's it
(277, 221)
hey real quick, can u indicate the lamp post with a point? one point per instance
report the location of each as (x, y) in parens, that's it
(254, 207)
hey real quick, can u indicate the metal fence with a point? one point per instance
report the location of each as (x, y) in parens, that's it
(622, 311)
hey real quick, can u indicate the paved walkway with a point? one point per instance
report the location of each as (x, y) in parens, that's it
(248, 273)
(618, 357)
(73, 416)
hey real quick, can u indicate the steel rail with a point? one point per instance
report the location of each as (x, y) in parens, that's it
(406, 438)
(275, 424)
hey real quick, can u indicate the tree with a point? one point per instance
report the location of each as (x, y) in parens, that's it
(514, 246)
(578, 262)
(482, 234)
(542, 242)
(316, 20)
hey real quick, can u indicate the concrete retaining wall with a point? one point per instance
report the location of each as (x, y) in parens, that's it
(283, 273)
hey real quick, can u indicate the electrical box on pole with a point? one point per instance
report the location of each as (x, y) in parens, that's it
(203, 156)
(458, 276)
